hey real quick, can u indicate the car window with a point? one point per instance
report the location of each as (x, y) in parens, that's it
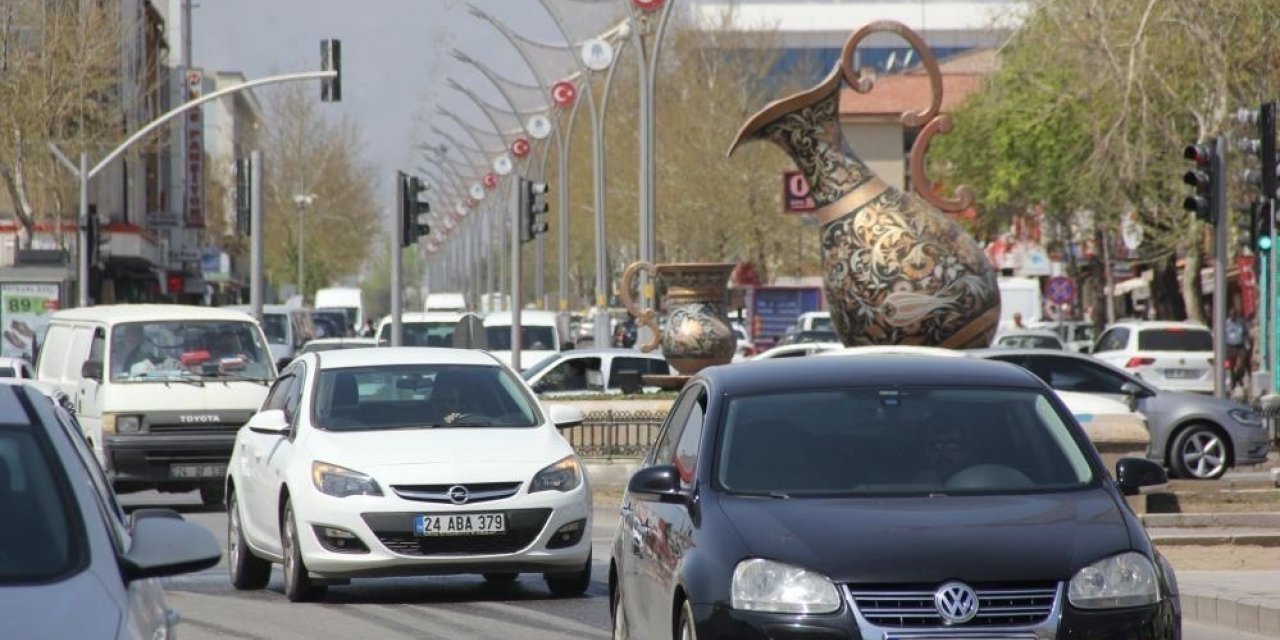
(294, 397)
(8, 372)
(1071, 374)
(420, 395)
(112, 513)
(1175, 339)
(643, 366)
(686, 454)
(1030, 341)
(279, 392)
(1115, 339)
(532, 337)
(572, 374)
(665, 447)
(920, 440)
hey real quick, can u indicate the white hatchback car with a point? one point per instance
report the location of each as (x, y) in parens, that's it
(406, 461)
(1175, 356)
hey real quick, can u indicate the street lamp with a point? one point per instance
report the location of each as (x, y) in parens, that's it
(302, 200)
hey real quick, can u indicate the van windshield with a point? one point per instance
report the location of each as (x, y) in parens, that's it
(188, 350)
(533, 338)
(275, 326)
(421, 334)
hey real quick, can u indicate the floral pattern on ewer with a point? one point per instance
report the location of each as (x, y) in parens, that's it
(811, 136)
(699, 331)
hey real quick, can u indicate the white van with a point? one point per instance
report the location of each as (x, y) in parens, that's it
(346, 299)
(431, 329)
(445, 301)
(539, 336)
(160, 390)
(1021, 296)
(287, 329)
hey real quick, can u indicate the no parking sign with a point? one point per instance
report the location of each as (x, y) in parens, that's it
(1061, 289)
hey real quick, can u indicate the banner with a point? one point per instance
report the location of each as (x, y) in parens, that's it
(24, 313)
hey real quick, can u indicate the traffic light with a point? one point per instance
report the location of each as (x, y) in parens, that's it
(96, 241)
(243, 206)
(414, 210)
(1260, 219)
(331, 60)
(1202, 178)
(533, 209)
(1265, 178)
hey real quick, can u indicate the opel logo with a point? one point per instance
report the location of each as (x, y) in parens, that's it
(458, 494)
(956, 602)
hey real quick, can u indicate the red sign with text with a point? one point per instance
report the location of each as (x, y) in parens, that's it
(1248, 285)
(795, 193)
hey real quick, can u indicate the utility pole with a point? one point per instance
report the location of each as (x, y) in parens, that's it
(257, 283)
(397, 245)
(1220, 227)
(515, 217)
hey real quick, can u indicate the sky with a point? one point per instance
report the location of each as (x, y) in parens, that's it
(395, 58)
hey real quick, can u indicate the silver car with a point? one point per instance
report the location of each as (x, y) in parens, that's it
(71, 564)
(1194, 435)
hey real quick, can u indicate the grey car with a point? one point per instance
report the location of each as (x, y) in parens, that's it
(1194, 435)
(71, 564)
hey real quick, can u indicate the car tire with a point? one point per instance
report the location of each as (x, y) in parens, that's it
(1199, 452)
(298, 586)
(213, 494)
(500, 579)
(685, 629)
(247, 570)
(620, 631)
(571, 584)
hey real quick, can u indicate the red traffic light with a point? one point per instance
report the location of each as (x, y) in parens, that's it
(1200, 153)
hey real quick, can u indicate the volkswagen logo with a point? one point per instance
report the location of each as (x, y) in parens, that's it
(956, 602)
(458, 494)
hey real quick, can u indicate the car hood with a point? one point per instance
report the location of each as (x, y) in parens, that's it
(1200, 401)
(365, 450)
(933, 539)
(80, 607)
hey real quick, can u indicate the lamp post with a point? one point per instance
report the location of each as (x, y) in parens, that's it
(302, 201)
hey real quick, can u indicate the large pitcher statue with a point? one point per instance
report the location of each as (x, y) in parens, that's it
(897, 269)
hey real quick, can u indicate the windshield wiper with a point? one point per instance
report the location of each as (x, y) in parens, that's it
(181, 377)
(230, 375)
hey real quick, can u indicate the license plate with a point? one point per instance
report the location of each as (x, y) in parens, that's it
(1182, 374)
(463, 524)
(198, 470)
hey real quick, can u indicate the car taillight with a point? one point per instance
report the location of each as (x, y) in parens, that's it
(1134, 363)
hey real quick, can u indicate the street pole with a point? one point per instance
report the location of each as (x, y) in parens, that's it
(1220, 226)
(514, 218)
(82, 256)
(397, 241)
(257, 282)
(302, 247)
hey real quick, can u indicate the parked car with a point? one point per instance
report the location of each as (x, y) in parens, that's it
(16, 368)
(883, 497)
(405, 461)
(161, 389)
(74, 566)
(1176, 356)
(797, 350)
(539, 336)
(591, 371)
(286, 329)
(1028, 339)
(1194, 435)
(333, 344)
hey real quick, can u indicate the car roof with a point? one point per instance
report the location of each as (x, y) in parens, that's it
(267, 308)
(787, 374)
(527, 316)
(391, 356)
(424, 316)
(116, 313)
(1046, 333)
(616, 352)
(1158, 324)
(369, 341)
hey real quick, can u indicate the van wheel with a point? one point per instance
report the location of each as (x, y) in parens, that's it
(247, 570)
(212, 494)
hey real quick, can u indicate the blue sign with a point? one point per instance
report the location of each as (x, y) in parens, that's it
(1061, 290)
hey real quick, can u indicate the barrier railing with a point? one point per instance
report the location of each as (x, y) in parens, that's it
(615, 434)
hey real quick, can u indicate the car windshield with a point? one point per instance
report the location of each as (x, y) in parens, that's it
(821, 323)
(420, 395)
(343, 317)
(421, 334)
(1175, 339)
(1030, 341)
(860, 441)
(531, 372)
(1082, 333)
(8, 372)
(273, 324)
(188, 350)
(37, 506)
(531, 337)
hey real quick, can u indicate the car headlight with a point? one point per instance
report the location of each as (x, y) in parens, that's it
(1246, 417)
(115, 423)
(340, 482)
(1126, 580)
(765, 585)
(564, 475)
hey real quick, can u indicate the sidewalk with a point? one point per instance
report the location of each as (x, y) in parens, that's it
(1247, 601)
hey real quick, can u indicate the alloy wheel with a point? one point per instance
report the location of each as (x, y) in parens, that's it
(1204, 454)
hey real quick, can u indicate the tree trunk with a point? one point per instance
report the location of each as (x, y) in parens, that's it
(1165, 294)
(1191, 283)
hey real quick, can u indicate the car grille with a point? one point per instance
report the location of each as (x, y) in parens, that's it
(476, 492)
(395, 532)
(998, 605)
(196, 428)
(188, 456)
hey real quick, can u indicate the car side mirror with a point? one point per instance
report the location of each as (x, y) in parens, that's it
(660, 483)
(270, 422)
(1134, 473)
(166, 546)
(565, 416)
(138, 515)
(566, 346)
(1086, 349)
(91, 370)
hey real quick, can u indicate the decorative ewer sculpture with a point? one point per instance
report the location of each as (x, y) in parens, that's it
(697, 334)
(898, 270)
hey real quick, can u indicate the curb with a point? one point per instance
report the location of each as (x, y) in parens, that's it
(1257, 520)
(610, 474)
(1209, 540)
(1237, 606)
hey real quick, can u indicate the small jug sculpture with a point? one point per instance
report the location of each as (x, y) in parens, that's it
(697, 335)
(897, 269)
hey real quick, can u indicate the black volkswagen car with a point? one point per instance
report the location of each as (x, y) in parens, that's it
(883, 497)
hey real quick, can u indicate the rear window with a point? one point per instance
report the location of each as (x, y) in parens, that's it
(36, 503)
(1175, 340)
(8, 372)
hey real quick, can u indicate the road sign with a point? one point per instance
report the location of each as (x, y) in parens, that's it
(1061, 289)
(796, 196)
(597, 54)
(563, 93)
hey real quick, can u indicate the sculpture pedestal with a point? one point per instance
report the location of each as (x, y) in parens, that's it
(666, 383)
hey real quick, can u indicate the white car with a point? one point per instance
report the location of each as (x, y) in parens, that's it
(797, 350)
(539, 336)
(16, 368)
(1028, 339)
(745, 347)
(1175, 356)
(583, 371)
(406, 461)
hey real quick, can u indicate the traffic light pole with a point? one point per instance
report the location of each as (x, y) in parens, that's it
(397, 248)
(514, 204)
(256, 242)
(1220, 227)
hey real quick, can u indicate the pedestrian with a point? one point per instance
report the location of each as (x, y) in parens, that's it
(1239, 356)
(367, 331)
(1017, 320)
